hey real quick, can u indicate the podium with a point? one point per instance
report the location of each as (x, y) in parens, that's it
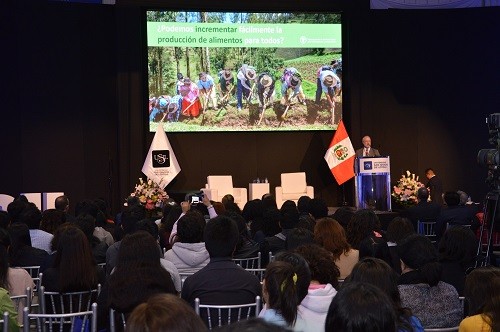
(373, 183)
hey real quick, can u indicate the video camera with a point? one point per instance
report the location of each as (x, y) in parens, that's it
(195, 198)
(491, 157)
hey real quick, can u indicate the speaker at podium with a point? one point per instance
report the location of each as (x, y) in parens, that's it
(373, 183)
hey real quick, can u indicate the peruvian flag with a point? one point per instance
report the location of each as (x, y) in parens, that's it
(340, 155)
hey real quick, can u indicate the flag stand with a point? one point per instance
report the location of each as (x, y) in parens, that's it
(344, 202)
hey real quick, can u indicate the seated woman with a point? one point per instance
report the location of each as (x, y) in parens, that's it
(188, 252)
(283, 289)
(74, 267)
(21, 253)
(361, 307)
(434, 302)
(15, 281)
(330, 235)
(378, 273)
(137, 276)
(457, 253)
(482, 291)
(324, 281)
(398, 229)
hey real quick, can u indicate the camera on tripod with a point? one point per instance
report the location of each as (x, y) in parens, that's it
(491, 157)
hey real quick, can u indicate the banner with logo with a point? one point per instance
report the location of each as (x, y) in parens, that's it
(161, 165)
(340, 155)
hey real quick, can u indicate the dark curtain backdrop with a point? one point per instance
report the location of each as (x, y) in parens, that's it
(419, 82)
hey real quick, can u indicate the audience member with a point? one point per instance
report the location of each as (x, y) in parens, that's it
(330, 235)
(51, 220)
(283, 289)
(171, 212)
(324, 282)
(74, 267)
(398, 229)
(364, 233)
(361, 307)
(129, 220)
(289, 220)
(62, 204)
(21, 253)
(221, 281)
(454, 214)
(482, 291)
(15, 281)
(90, 207)
(188, 251)
(86, 223)
(420, 287)
(343, 215)
(15, 208)
(457, 254)
(4, 219)
(31, 216)
(138, 275)
(424, 210)
(378, 273)
(318, 208)
(246, 247)
(104, 224)
(164, 312)
(298, 237)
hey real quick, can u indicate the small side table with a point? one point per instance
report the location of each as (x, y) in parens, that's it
(257, 190)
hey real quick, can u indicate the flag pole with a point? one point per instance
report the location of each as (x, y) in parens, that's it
(344, 202)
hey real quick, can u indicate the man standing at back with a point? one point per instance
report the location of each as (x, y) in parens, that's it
(221, 281)
(435, 186)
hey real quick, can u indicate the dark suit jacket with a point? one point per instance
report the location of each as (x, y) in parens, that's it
(423, 211)
(436, 189)
(456, 215)
(372, 153)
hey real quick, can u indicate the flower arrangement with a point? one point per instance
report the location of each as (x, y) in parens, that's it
(405, 192)
(149, 194)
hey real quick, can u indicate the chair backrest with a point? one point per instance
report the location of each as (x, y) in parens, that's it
(249, 263)
(223, 184)
(258, 272)
(22, 300)
(216, 315)
(112, 320)
(34, 272)
(82, 321)
(5, 322)
(183, 277)
(271, 257)
(426, 228)
(63, 303)
(443, 329)
(294, 182)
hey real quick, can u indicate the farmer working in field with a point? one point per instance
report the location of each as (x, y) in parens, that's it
(246, 80)
(206, 85)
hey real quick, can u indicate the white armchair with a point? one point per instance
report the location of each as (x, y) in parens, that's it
(293, 186)
(4, 201)
(218, 186)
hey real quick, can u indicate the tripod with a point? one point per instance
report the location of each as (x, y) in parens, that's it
(489, 225)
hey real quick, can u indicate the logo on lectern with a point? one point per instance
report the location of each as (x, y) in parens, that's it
(367, 165)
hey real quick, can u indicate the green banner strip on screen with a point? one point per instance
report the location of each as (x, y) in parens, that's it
(244, 35)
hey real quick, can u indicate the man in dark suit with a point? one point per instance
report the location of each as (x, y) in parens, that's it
(367, 150)
(435, 186)
(424, 210)
(455, 214)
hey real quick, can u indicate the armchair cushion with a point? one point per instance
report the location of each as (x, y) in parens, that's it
(293, 182)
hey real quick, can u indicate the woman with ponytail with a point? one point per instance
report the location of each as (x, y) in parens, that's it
(434, 302)
(285, 285)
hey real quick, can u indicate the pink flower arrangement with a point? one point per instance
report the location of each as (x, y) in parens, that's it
(149, 194)
(405, 192)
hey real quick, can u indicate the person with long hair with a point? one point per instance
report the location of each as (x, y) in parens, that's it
(482, 291)
(329, 234)
(74, 267)
(378, 273)
(420, 286)
(282, 293)
(13, 280)
(164, 312)
(361, 307)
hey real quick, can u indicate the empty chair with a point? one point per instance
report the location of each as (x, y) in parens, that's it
(218, 186)
(218, 315)
(249, 263)
(76, 321)
(293, 186)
